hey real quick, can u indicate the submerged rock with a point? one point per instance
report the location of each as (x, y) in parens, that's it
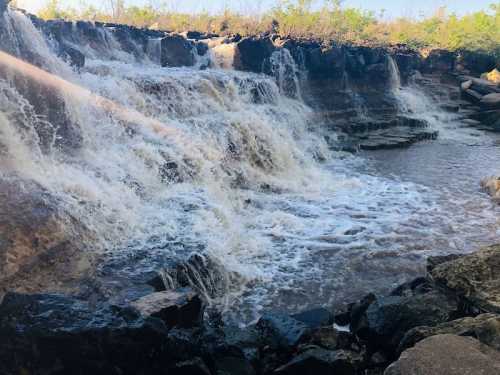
(447, 355)
(282, 331)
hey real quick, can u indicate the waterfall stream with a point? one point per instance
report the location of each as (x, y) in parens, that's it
(266, 213)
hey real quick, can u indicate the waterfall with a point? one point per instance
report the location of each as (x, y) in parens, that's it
(285, 70)
(154, 50)
(394, 75)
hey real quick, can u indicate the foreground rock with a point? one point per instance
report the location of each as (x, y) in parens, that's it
(484, 327)
(53, 334)
(447, 355)
(40, 243)
(474, 278)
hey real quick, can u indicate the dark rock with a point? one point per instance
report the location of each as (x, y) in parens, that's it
(201, 48)
(54, 334)
(181, 308)
(177, 51)
(387, 319)
(490, 101)
(315, 318)
(475, 278)
(321, 361)
(194, 366)
(447, 355)
(73, 56)
(252, 53)
(282, 331)
(476, 62)
(484, 327)
(439, 60)
(332, 339)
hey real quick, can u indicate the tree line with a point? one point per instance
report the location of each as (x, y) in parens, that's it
(328, 21)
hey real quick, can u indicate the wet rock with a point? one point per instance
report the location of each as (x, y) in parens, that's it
(474, 278)
(252, 53)
(321, 361)
(481, 86)
(484, 327)
(194, 366)
(40, 243)
(177, 51)
(332, 339)
(55, 334)
(492, 186)
(315, 318)
(73, 56)
(182, 307)
(447, 355)
(282, 331)
(387, 319)
(490, 101)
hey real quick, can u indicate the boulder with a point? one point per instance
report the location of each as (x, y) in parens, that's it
(177, 51)
(447, 355)
(490, 101)
(484, 327)
(492, 187)
(182, 307)
(40, 243)
(252, 53)
(56, 334)
(314, 318)
(282, 331)
(72, 56)
(386, 320)
(194, 366)
(320, 361)
(493, 76)
(332, 339)
(474, 278)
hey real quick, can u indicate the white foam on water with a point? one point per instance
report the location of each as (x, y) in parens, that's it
(241, 184)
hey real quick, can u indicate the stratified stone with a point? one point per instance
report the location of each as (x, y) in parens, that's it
(475, 278)
(447, 355)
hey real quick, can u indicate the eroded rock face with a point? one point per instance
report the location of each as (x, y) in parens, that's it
(447, 355)
(475, 278)
(39, 242)
(177, 51)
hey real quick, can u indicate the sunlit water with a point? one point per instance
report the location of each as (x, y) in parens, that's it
(288, 223)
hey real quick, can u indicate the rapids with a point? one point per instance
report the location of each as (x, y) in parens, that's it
(245, 179)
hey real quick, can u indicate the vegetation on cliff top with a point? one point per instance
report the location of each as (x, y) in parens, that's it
(302, 19)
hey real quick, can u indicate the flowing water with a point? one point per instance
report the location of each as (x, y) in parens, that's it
(242, 179)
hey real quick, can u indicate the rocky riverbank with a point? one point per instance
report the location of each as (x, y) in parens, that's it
(447, 322)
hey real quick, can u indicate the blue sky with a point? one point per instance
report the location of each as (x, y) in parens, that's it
(393, 8)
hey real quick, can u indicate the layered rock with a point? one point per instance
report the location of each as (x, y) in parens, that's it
(447, 355)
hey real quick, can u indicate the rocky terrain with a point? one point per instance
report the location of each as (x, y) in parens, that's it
(55, 320)
(447, 322)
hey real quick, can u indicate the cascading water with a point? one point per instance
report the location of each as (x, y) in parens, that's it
(246, 201)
